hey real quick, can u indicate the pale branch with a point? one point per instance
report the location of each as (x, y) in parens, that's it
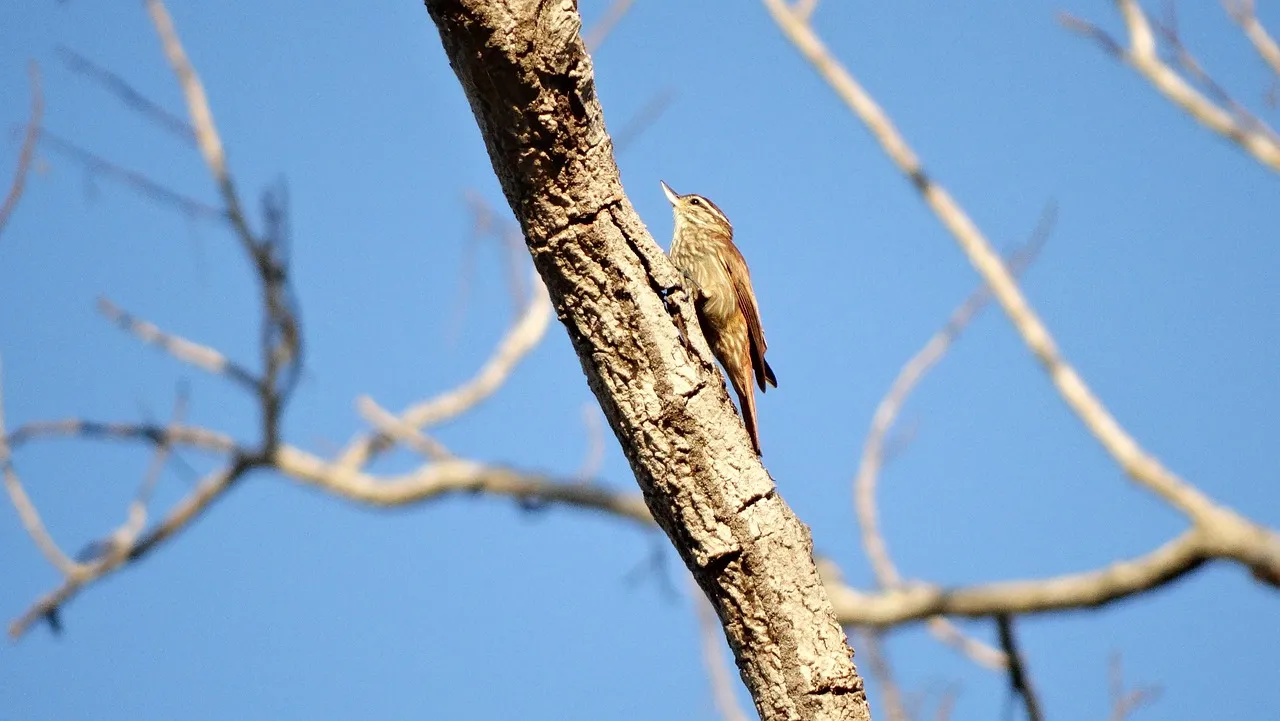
(1019, 678)
(1168, 30)
(206, 131)
(1141, 53)
(523, 336)
(189, 352)
(455, 476)
(27, 511)
(1123, 579)
(209, 489)
(281, 345)
(980, 653)
(281, 349)
(396, 429)
(177, 435)
(1218, 531)
(1242, 12)
(886, 415)
(529, 81)
(27, 153)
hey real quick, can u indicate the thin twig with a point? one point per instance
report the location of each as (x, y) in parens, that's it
(28, 151)
(1125, 701)
(908, 379)
(1189, 64)
(127, 94)
(522, 338)
(211, 488)
(206, 131)
(281, 336)
(713, 657)
(393, 427)
(870, 648)
(1258, 140)
(174, 435)
(595, 36)
(1019, 679)
(1242, 12)
(27, 510)
(643, 119)
(189, 352)
(453, 477)
(97, 164)
(874, 452)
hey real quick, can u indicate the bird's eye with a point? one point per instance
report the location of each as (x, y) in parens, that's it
(695, 201)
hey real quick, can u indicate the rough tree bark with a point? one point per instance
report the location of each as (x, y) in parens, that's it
(529, 80)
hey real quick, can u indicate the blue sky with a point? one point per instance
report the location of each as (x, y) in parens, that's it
(282, 603)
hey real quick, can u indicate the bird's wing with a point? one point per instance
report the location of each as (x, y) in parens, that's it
(736, 265)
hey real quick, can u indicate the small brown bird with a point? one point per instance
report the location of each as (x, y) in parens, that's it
(702, 249)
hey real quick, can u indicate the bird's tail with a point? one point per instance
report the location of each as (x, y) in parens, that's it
(747, 402)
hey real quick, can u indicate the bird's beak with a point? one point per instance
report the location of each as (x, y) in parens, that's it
(671, 194)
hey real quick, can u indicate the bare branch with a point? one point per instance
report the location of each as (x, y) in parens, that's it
(195, 504)
(206, 132)
(1125, 702)
(1242, 12)
(886, 415)
(391, 425)
(97, 164)
(593, 459)
(912, 603)
(712, 657)
(28, 152)
(1218, 532)
(522, 338)
(173, 435)
(1256, 139)
(27, 510)
(595, 36)
(127, 94)
(1168, 30)
(1019, 679)
(452, 477)
(980, 653)
(200, 356)
(869, 643)
(643, 119)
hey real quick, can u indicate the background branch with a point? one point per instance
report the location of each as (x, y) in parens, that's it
(30, 136)
(1255, 137)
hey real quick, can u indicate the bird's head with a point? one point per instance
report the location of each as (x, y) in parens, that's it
(695, 211)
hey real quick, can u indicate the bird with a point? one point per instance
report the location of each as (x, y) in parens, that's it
(702, 250)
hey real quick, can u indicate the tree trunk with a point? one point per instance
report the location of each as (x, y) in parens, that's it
(529, 80)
